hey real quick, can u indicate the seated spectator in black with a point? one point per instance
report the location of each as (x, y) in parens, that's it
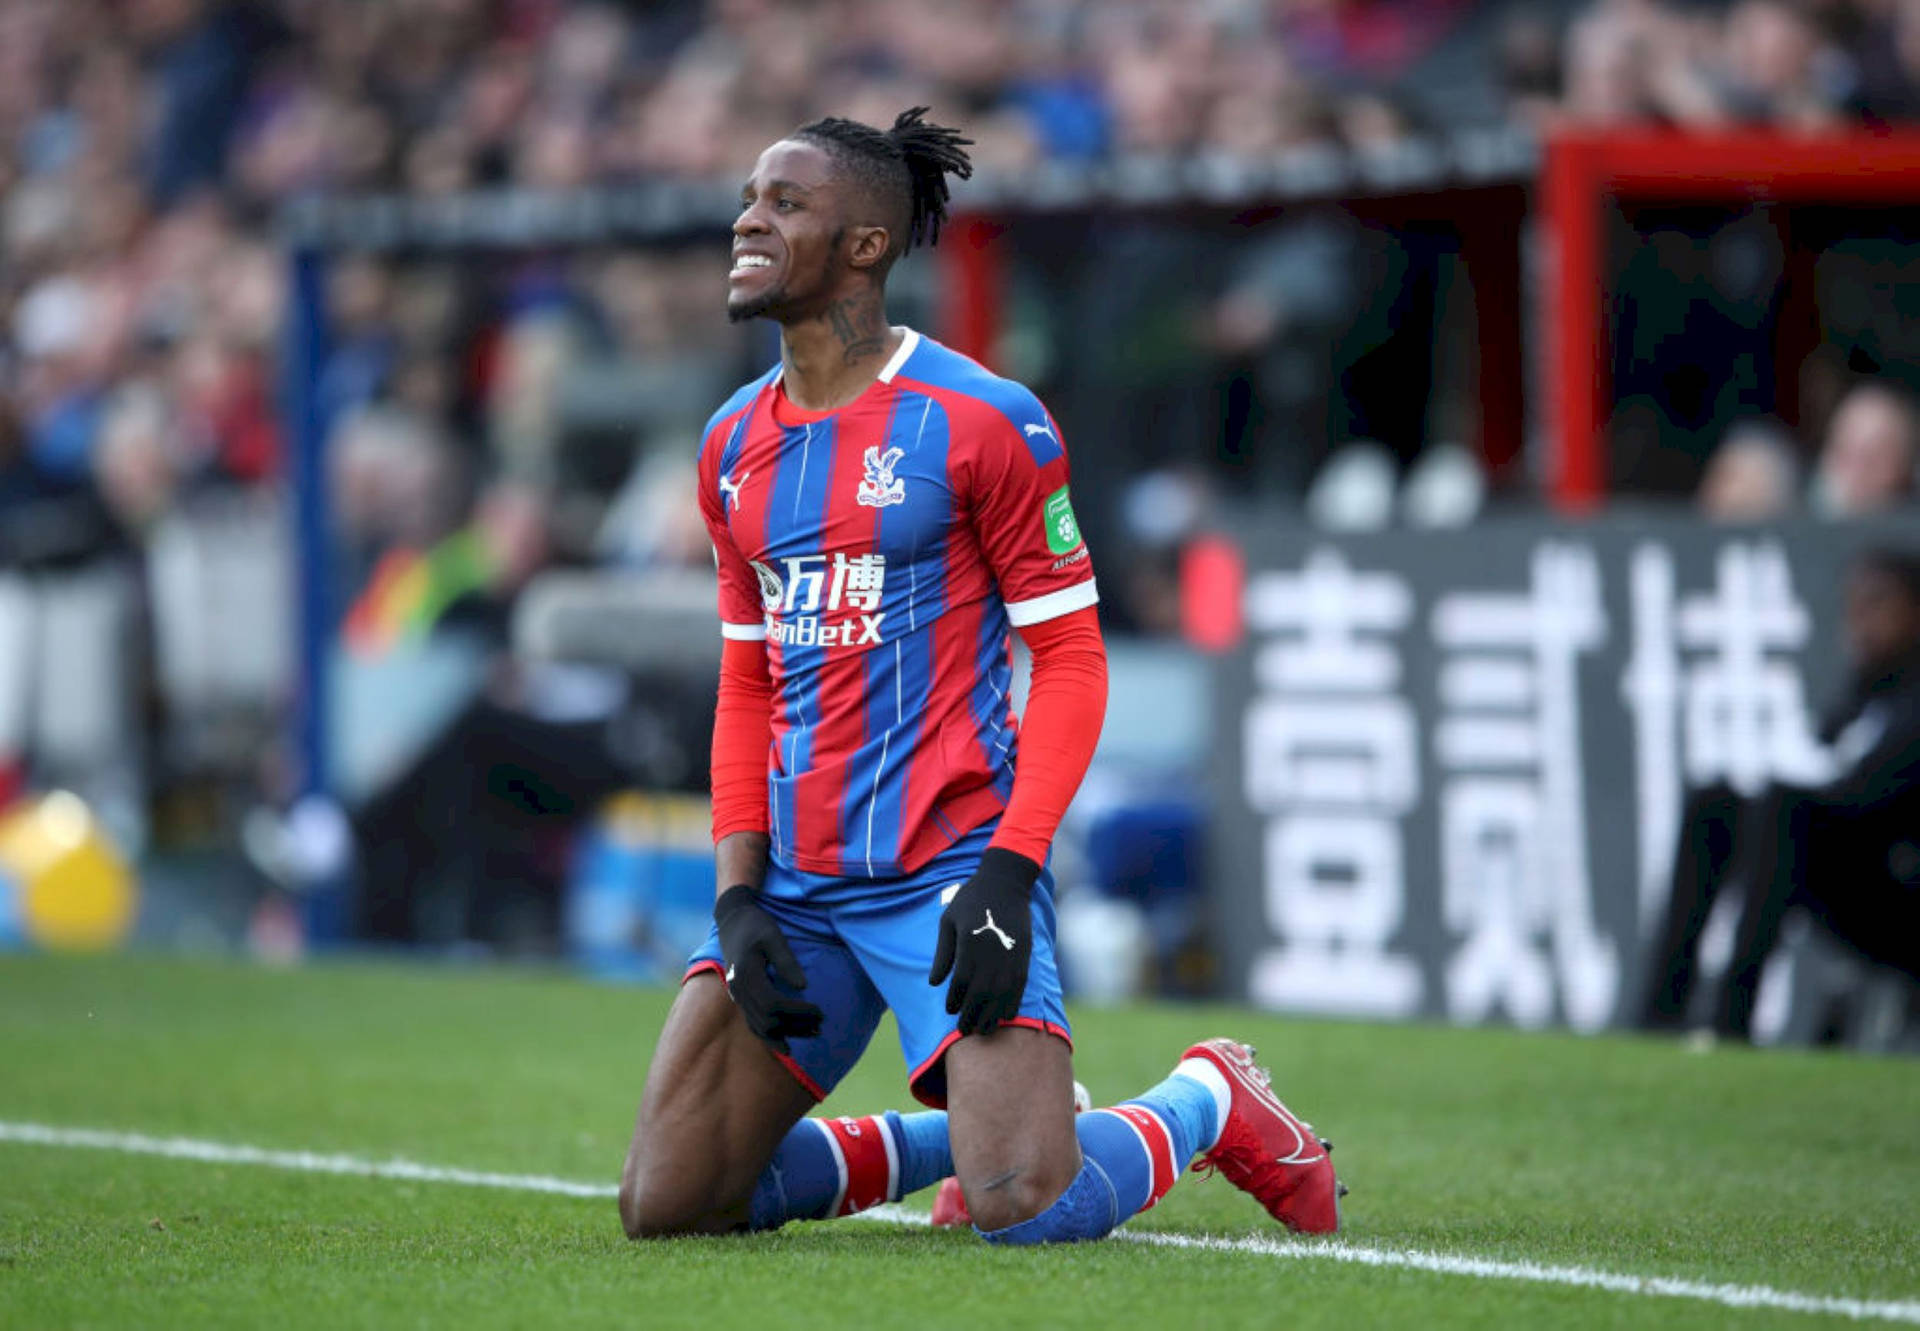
(1845, 851)
(1868, 457)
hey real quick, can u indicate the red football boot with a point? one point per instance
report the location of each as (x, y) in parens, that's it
(1266, 1151)
(950, 1205)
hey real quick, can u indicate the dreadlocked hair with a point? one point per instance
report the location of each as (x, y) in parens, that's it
(910, 161)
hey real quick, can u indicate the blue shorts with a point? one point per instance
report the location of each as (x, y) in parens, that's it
(867, 945)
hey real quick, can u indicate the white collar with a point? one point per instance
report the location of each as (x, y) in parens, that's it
(909, 341)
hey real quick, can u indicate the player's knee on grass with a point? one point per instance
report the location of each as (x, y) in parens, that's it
(714, 1109)
(641, 1212)
(1088, 1209)
(1010, 1112)
(641, 1215)
(1015, 1172)
(651, 1211)
(1006, 1193)
(667, 1195)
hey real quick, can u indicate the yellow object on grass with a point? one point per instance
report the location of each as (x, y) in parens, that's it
(75, 891)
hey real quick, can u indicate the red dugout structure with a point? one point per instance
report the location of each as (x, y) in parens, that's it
(1582, 173)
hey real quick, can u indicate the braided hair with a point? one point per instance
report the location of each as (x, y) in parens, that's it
(906, 165)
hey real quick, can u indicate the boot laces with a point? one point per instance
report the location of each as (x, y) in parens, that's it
(1241, 1152)
(1245, 1161)
(1264, 1078)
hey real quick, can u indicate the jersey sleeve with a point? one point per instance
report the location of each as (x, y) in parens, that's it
(741, 617)
(1059, 730)
(1023, 516)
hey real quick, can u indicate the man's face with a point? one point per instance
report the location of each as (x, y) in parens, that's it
(1882, 618)
(1745, 482)
(786, 241)
(1867, 464)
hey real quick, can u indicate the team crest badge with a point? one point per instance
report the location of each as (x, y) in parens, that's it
(771, 592)
(879, 488)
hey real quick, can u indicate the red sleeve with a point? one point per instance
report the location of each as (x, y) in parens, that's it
(741, 615)
(743, 717)
(1023, 518)
(1065, 707)
(742, 732)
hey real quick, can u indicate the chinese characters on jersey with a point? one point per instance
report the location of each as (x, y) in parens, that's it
(797, 593)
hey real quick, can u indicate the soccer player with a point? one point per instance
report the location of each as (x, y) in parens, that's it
(883, 512)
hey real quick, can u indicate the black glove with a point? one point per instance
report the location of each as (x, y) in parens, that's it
(986, 941)
(752, 945)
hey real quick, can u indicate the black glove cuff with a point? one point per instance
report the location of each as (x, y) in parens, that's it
(1010, 867)
(735, 899)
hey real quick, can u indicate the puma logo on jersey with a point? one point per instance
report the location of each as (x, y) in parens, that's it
(730, 489)
(879, 488)
(1032, 430)
(998, 932)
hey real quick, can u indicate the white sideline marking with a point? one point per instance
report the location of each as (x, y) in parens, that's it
(1729, 1296)
(309, 1162)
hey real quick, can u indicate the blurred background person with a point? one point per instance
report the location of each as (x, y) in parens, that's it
(1846, 851)
(1753, 476)
(1868, 458)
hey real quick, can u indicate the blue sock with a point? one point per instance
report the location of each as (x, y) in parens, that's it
(1132, 1154)
(926, 1155)
(828, 1167)
(799, 1182)
(1189, 1108)
(1088, 1209)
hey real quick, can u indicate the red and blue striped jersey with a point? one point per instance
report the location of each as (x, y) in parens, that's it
(882, 551)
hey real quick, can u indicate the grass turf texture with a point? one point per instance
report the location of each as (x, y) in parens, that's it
(1795, 1170)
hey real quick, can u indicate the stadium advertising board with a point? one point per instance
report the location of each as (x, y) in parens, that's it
(1452, 765)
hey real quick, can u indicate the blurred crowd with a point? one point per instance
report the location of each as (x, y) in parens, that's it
(489, 420)
(1810, 65)
(1865, 466)
(147, 143)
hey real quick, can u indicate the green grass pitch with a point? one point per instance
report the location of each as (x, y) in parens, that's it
(1795, 1171)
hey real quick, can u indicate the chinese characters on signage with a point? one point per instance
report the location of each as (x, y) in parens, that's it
(1332, 762)
(1460, 761)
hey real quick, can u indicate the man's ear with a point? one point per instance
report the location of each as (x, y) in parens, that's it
(868, 245)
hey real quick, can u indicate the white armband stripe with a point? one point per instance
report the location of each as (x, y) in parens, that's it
(1053, 605)
(743, 632)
